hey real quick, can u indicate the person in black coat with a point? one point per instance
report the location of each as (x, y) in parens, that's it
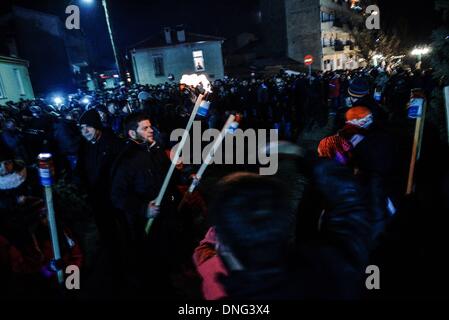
(39, 127)
(138, 175)
(67, 140)
(96, 156)
(378, 162)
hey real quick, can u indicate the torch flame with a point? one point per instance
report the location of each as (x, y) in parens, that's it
(194, 80)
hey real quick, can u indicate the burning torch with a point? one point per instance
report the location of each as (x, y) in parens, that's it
(194, 83)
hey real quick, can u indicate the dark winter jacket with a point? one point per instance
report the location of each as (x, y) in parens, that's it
(137, 177)
(378, 159)
(95, 162)
(330, 267)
(14, 140)
(67, 137)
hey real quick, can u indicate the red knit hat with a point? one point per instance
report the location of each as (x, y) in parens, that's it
(335, 147)
(359, 116)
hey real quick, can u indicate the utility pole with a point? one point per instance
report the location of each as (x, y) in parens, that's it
(114, 48)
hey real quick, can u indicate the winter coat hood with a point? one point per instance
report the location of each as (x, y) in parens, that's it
(14, 179)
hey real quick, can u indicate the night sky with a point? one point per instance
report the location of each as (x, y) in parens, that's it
(414, 20)
(135, 20)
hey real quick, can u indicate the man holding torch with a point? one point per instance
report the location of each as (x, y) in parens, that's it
(142, 183)
(138, 174)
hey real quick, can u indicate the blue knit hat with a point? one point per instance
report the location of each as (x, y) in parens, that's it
(358, 87)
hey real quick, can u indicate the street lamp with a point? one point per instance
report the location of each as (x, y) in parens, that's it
(58, 100)
(419, 52)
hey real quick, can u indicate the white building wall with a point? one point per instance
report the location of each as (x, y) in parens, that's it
(15, 83)
(178, 60)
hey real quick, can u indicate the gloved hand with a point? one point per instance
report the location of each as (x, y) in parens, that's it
(153, 210)
(52, 267)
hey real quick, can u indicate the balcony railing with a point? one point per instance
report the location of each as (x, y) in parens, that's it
(329, 50)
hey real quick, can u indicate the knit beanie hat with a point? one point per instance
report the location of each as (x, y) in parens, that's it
(359, 116)
(91, 118)
(358, 87)
(336, 148)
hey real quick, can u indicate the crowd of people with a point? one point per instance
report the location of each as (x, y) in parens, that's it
(308, 232)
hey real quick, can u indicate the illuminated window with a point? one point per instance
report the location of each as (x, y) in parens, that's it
(158, 64)
(198, 60)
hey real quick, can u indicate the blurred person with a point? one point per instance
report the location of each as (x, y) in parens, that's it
(334, 93)
(251, 224)
(13, 139)
(67, 140)
(24, 233)
(376, 159)
(360, 95)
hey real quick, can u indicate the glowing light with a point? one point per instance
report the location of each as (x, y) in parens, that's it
(58, 100)
(194, 80)
(420, 51)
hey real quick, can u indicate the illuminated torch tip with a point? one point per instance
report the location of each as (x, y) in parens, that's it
(195, 80)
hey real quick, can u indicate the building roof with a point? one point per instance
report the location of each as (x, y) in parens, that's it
(158, 40)
(14, 60)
